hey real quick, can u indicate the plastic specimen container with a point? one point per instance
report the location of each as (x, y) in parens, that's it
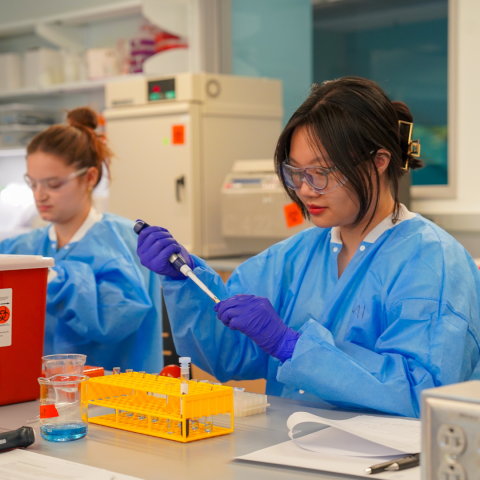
(153, 405)
(23, 296)
(11, 68)
(246, 403)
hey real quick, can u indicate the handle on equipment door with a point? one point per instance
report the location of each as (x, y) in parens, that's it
(180, 182)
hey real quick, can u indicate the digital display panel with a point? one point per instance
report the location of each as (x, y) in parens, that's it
(161, 90)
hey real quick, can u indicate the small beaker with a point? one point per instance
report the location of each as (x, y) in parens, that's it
(63, 363)
(63, 417)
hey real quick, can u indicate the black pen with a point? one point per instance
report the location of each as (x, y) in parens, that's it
(403, 463)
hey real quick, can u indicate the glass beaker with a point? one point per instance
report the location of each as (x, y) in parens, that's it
(63, 363)
(63, 417)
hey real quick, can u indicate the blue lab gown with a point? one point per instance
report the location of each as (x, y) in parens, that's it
(404, 316)
(103, 303)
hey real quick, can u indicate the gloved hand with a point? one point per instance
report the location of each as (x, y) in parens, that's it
(155, 245)
(256, 317)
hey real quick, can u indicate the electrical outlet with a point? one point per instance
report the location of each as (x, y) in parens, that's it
(452, 439)
(453, 471)
(451, 432)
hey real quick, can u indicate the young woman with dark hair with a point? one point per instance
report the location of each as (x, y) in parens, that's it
(366, 309)
(100, 300)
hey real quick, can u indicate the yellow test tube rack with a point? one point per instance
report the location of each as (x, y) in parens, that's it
(151, 404)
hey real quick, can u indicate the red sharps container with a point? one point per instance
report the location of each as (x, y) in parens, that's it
(23, 296)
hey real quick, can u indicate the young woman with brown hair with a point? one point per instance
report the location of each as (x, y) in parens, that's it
(367, 308)
(100, 301)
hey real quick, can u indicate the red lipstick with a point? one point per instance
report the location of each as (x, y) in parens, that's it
(315, 209)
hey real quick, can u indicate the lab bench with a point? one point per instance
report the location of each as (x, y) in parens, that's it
(148, 457)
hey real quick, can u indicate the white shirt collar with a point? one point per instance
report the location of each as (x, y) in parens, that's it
(92, 218)
(382, 227)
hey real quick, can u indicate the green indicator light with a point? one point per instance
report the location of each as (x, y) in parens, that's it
(154, 96)
(166, 141)
(170, 94)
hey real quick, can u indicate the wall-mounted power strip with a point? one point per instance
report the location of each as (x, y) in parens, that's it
(451, 432)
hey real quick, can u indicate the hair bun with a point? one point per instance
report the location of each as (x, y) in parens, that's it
(403, 114)
(82, 117)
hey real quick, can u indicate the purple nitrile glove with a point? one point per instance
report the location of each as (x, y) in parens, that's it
(256, 317)
(155, 245)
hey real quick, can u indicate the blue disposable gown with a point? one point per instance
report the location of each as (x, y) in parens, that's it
(103, 303)
(404, 316)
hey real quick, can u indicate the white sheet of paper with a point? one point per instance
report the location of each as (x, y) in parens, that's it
(290, 454)
(397, 433)
(337, 442)
(25, 465)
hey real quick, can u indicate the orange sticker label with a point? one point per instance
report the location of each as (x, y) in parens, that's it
(293, 215)
(178, 134)
(4, 314)
(48, 411)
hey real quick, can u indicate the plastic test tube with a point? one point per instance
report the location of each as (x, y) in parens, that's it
(185, 374)
(184, 379)
(208, 419)
(140, 416)
(170, 409)
(194, 423)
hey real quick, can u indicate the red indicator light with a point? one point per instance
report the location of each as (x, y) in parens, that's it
(156, 88)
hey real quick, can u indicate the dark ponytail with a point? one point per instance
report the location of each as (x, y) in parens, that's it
(76, 143)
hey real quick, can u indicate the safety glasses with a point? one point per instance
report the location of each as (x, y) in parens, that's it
(53, 183)
(320, 179)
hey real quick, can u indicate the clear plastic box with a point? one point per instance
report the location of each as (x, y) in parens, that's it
(246, 403)
(18, 136)
(20, 114)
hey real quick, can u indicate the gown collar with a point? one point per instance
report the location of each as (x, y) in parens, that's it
(92, 218)
(382, 227)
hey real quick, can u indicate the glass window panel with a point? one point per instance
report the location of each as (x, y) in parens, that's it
(402, 45)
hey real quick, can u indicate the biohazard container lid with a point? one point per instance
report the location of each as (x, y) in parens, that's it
(24, 262)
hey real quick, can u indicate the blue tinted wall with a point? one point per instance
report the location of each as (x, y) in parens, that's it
(273, 38)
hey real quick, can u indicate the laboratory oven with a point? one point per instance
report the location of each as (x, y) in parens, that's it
(176, 138)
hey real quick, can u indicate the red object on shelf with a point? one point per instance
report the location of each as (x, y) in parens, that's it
(166, 41)
(23, 291)
(171, 371)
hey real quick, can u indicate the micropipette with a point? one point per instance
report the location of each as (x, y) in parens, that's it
(179, 263)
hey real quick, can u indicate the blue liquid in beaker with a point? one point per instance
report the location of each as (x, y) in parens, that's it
(64, 433)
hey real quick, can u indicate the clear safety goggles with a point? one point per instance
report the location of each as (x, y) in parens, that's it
(53, 183)
(320, 179)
